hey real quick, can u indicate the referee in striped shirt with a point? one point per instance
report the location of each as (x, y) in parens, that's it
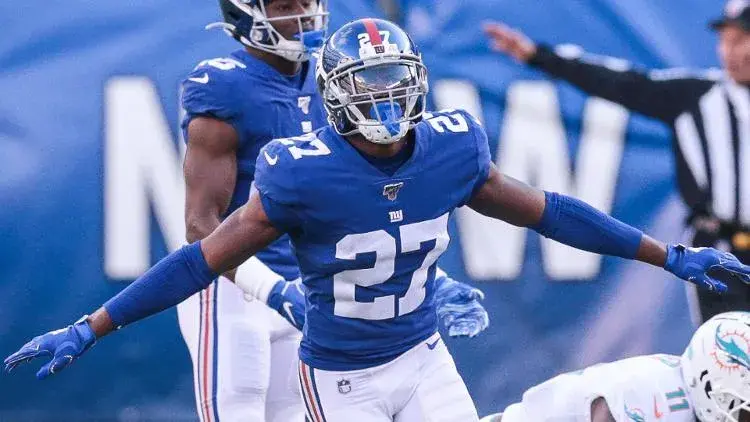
(710, 121)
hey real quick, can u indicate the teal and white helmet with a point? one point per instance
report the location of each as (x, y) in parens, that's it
(716, 368)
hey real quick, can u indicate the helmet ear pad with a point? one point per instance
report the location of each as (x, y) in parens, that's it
(331, 102)
(243, 27)
(341, 122)
(420, 108)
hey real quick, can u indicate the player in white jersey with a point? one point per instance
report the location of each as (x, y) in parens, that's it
(710, 383)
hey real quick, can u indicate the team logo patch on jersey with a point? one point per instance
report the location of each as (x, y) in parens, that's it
(304, 104)
(345, 386)
(391, 191)
(396, 216)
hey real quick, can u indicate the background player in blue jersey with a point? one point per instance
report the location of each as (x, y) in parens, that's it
(245, 355)
(366, 202)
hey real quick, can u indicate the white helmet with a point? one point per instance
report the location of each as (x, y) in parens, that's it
(716, 368)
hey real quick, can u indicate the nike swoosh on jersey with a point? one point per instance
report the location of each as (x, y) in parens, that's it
(202, 80)
(271, 160)
(432, 345)
(288, 309)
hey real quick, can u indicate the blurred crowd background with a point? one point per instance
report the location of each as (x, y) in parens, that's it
(90, 187)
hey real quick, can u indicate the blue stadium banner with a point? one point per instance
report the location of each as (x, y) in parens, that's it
(91, 189)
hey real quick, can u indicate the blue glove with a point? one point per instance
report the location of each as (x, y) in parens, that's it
(288, 299)
(701, 266)
(63, 346)
(459, 309)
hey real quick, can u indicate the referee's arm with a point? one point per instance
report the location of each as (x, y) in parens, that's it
(655, 94)
(659, 94)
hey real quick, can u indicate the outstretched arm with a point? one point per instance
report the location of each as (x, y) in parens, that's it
(172, 280)
(507, 199)
(660, 94)
(575, 223)
(189, 270)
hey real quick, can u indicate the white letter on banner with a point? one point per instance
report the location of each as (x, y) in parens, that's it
(534, 149)
(141, 164)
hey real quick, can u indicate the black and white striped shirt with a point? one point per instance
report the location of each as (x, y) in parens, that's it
(709, 115)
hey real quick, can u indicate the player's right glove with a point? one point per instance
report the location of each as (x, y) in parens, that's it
(288, 299)
(63, 346)
(702, 266)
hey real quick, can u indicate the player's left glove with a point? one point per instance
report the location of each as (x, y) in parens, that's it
(704, 266)
(459, 309)
(63, 346)
(288, 299)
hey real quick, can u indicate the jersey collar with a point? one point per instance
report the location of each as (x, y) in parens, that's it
(408, 168)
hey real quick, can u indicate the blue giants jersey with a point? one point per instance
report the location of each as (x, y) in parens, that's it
(261, 104)
(366, 242)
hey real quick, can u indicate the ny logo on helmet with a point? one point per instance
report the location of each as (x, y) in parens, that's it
(391, 191)
(365, 39)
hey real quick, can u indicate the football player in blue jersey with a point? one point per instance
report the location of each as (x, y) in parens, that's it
(366, 202)
(244, 355)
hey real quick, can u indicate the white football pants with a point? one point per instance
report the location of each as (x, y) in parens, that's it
(244, 357)
(422, 385)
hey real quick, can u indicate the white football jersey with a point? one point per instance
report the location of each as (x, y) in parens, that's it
(640, 389)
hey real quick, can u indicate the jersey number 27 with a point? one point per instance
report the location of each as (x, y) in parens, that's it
(412, 237)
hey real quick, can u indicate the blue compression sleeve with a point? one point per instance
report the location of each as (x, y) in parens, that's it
(578, 224)
(169, 282)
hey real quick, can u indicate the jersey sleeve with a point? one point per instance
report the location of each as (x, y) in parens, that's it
(207, 91)
(276, 183)
(483, 157)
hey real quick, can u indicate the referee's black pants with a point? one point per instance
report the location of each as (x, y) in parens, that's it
(738, 296)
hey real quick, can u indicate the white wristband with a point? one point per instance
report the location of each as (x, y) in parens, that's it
(256, 279)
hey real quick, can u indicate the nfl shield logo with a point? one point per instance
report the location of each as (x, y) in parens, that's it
(391, 191)
(345, 386)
